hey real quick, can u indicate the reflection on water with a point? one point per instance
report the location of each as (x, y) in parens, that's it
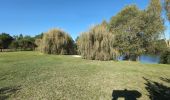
(150, 59)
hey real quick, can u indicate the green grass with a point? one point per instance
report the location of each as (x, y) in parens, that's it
(35, 76)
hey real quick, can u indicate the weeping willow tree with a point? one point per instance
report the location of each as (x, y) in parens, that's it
(56, 41)
(97, 43)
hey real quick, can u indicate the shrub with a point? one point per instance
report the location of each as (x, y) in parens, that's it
(165, 57)
(57, 41)
(97, 43)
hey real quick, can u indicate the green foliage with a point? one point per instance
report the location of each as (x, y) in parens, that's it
(122, 18)
(14, 45)
(135, 30)
(127, 28)
(167, 8)
(97, 43)
(157, 47)
(57, 41)
(5, 40)
(40, 36)
(26, 44)
(23, 43)
(165, 57)
(20, 37)
(154, 25)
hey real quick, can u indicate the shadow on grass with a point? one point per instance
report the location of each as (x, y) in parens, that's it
(126, 94)
(6, 92)
(157, 91)
(165, 79)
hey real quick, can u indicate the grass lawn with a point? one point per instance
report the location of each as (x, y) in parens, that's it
(36, 76)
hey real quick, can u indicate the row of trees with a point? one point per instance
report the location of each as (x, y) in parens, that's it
(131, 33)
(17, 42)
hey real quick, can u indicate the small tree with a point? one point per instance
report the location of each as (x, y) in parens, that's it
(57, 41)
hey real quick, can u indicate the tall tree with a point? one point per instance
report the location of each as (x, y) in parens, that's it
(135, 30)
(127, 29)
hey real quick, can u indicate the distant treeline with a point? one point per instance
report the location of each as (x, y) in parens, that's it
(18, 42)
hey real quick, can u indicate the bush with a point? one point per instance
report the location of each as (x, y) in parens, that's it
(97, 44)
(165, 57)
(57, 41)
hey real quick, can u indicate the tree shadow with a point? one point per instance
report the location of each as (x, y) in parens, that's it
(165, 79)
(157, 91)
(126, 94)
(6, 92)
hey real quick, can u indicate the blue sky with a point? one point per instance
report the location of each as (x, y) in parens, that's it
(31, 17)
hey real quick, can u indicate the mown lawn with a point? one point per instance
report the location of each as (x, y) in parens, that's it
(36, 76)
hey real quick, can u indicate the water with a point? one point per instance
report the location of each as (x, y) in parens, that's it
(151, 59)
(147, 59)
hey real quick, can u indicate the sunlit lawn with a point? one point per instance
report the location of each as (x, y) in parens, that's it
(35, 76)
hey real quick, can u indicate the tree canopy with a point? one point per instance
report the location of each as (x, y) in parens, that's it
(5, 40)
(97, 43)
(57, 41)
(167, 8)
(135, 30)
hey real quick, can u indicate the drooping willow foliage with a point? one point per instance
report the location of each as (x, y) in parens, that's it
(97, 44)
(56, 41)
